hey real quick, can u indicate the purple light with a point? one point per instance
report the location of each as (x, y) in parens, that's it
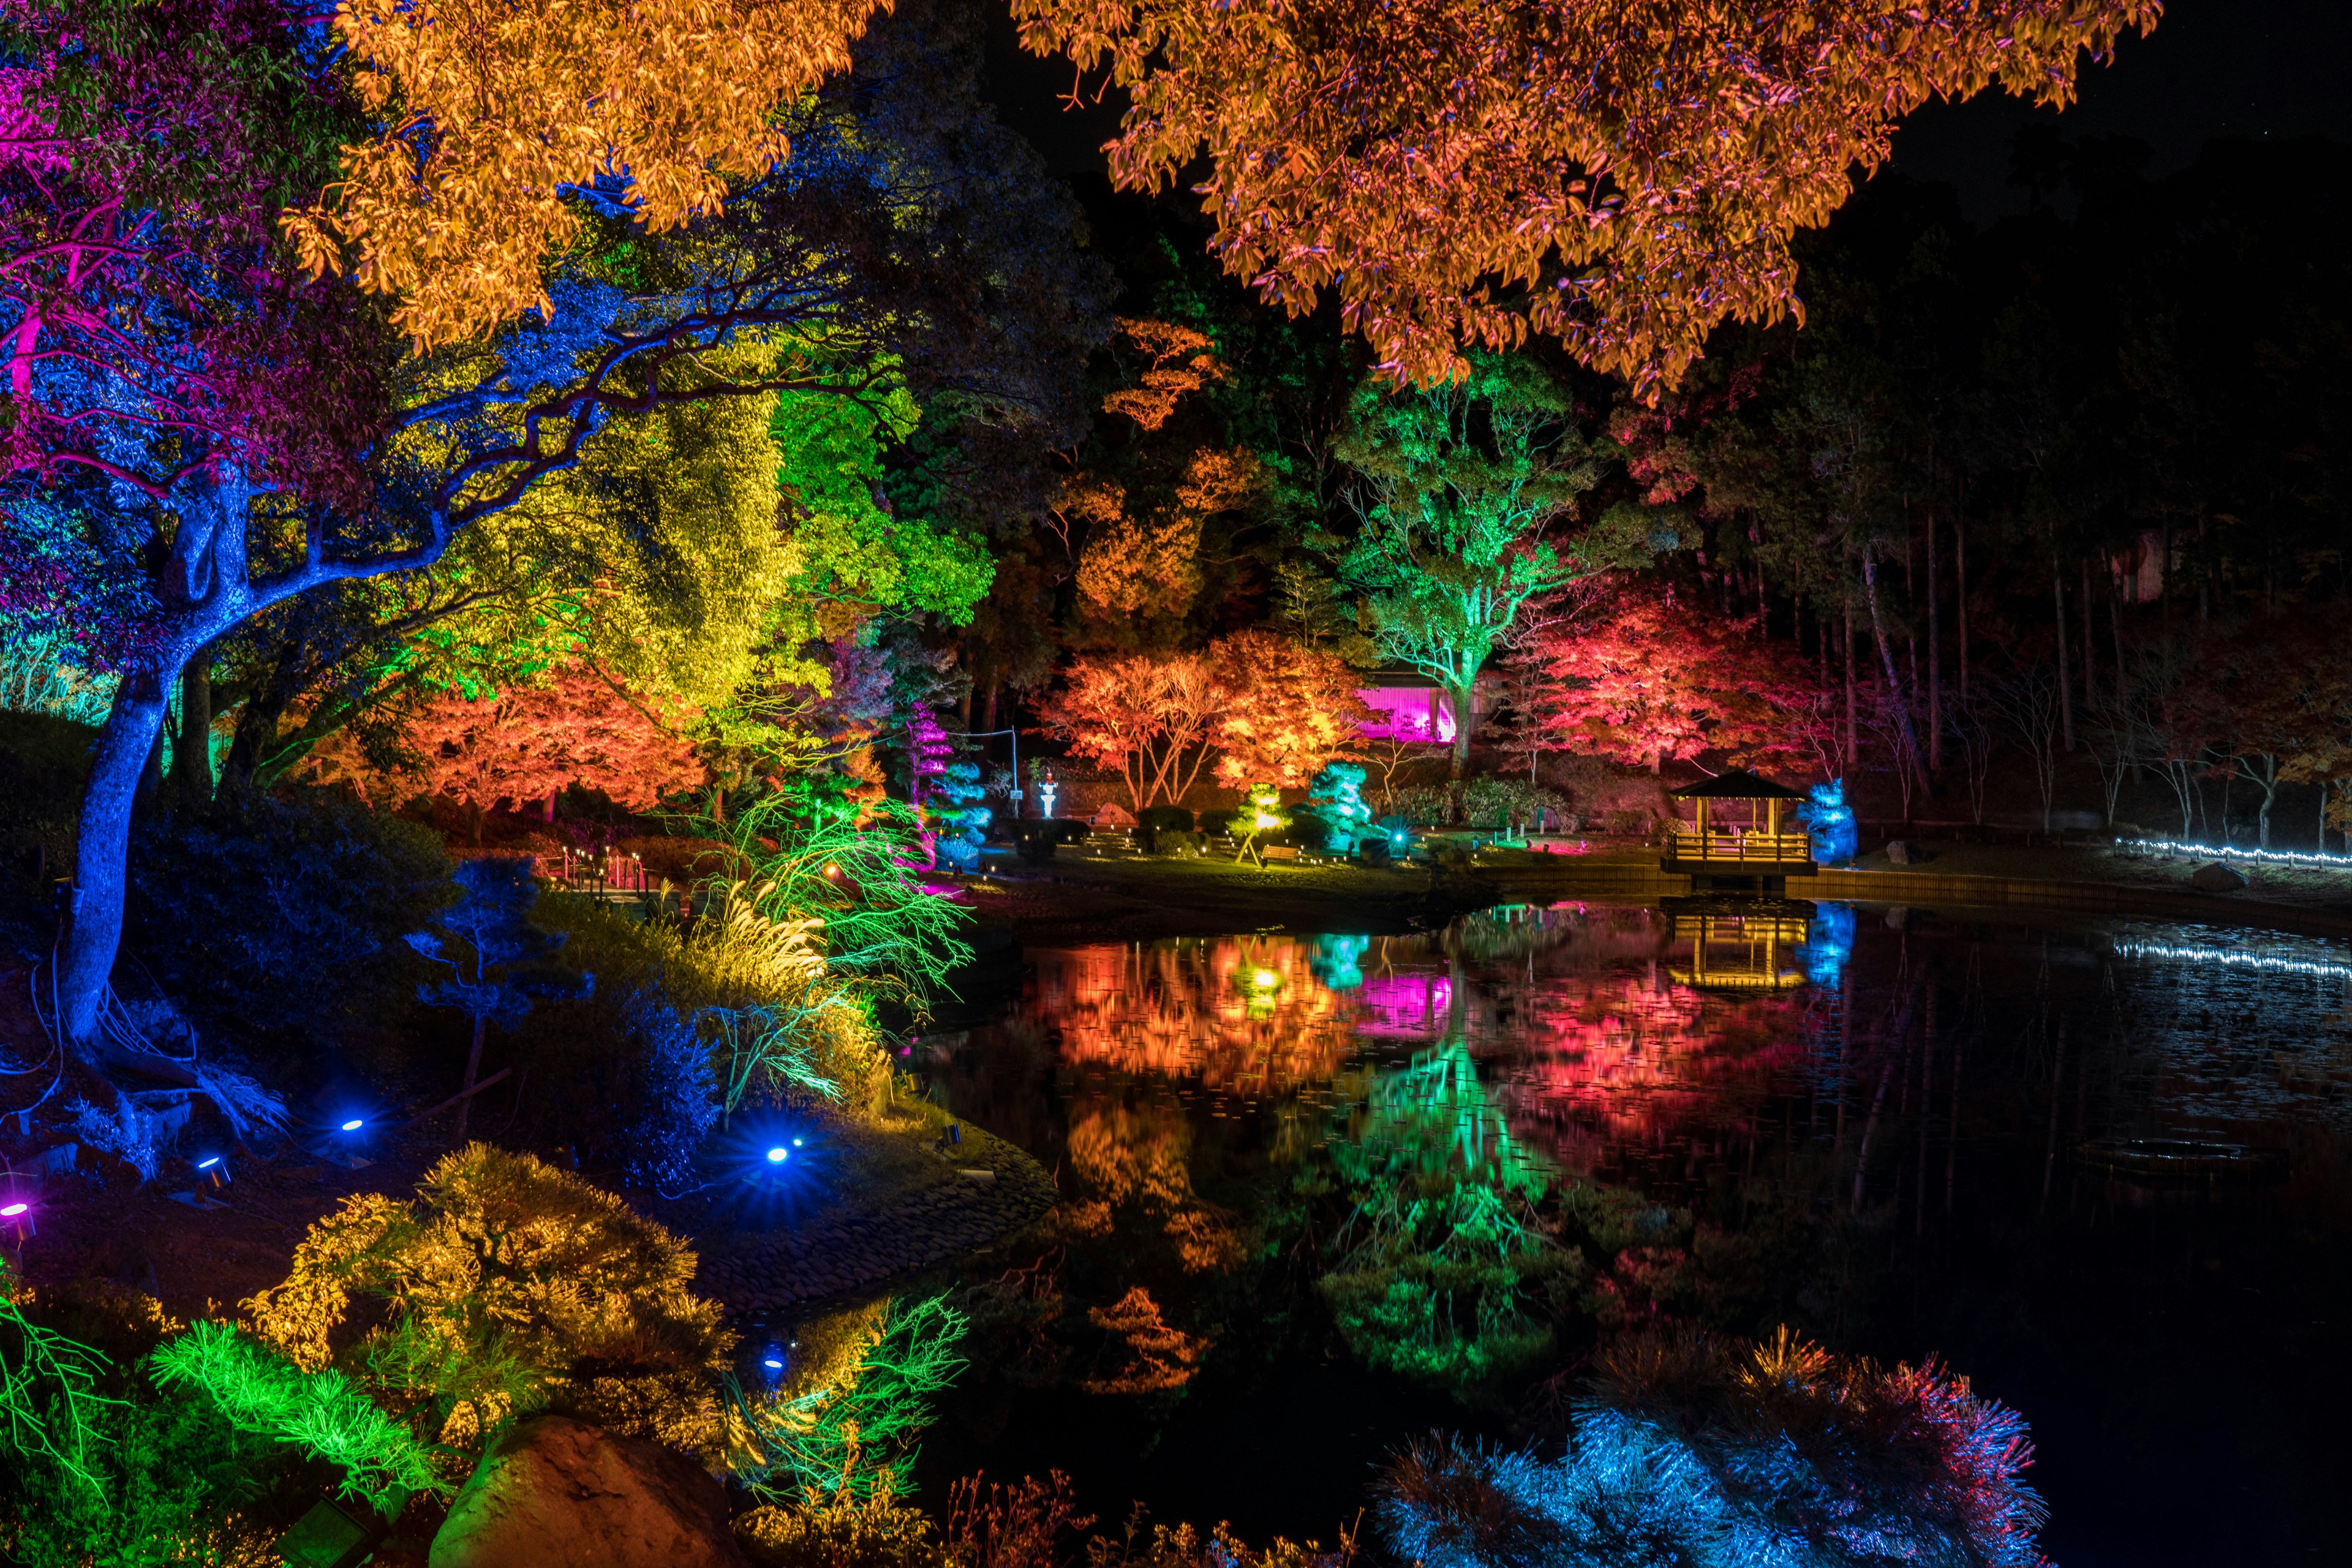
(12, 1210)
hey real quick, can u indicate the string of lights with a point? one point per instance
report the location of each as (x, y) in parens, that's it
(2226, 852)
(2268, 963)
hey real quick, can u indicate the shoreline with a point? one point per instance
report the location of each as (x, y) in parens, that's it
(1113, 897)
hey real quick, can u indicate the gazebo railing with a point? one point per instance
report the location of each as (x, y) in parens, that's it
(1713, 844)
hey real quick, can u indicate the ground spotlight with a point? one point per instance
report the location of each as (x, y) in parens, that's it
(214, 1168)
(20, 1214)
(354, 1124)
(779, 1156)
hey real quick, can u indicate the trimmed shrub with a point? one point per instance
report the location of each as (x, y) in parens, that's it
(1165, 819)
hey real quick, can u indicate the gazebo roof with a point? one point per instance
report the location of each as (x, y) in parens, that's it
(1737, 785)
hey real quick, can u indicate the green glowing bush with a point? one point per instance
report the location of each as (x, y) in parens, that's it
(858, 1437)
(163, 1480)
(263, 1395)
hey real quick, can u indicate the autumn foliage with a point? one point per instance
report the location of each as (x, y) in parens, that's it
(529, 743)
(1651, 681)
(1271, 709)
(1629, 174)
(512, 105)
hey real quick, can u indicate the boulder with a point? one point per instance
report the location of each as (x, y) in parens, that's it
(1900, 853)
(559, 1493)
(2215, 877)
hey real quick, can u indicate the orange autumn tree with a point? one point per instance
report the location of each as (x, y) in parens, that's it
(1292, 708)
(1140, 714)
(528, 744)
(487, 110)
(1620, 174)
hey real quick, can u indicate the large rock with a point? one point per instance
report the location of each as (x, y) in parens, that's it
(559, 1493)
(2215, 877)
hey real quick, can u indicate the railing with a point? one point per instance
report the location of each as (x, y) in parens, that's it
(1777, 849)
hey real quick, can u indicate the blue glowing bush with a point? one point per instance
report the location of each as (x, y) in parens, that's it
(1704, 1452)
(1337, 798)
(1837, 837)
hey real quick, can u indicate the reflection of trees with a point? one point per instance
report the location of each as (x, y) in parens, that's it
(1142, 1156)
(1245, 1015)
(1612, 1059)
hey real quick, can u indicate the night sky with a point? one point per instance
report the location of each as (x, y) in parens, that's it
(2213, 69)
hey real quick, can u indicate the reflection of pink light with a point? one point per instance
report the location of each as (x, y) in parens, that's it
(1402, 1006)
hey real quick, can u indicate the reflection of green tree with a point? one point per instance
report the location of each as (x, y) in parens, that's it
(1433, 1118)
(1441, 1271)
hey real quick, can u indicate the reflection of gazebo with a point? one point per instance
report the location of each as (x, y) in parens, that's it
(1745, 834)
(1746, 945)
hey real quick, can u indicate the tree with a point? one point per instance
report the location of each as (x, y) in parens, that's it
(2271, 704)
(1631, 174)
(1141, 715)
(1290, 710)
(528, 743)
(493, 921)
(1648, 680)
(1463, 485)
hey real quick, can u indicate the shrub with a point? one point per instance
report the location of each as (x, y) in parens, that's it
(1217, 819)
(1623, 820)
(1705, 1451)
(162, 1479)
(1165, 819)
(507, 1287)
(1493, 803)
(284, 914)
(1306, 831)
(876, 1531)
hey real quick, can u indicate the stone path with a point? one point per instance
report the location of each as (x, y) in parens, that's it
(845, 1252)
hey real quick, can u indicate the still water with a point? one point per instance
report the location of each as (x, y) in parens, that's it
(1874, 1126)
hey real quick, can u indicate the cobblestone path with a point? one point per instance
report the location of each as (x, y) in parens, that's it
(960, 1212)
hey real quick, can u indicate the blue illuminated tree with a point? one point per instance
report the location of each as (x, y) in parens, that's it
(1836, 836)
(963, 821)
(504, 961)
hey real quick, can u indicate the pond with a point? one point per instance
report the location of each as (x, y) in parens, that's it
(1879, 1126)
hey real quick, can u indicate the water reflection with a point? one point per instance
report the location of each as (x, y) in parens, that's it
(1470, 1151)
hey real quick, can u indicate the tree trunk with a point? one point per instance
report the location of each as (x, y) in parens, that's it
(191, 762)
(101, 839)
(1935, 658)
(1901, 698)
(473, 1065)
(2066, 678)
(1853, 707)
(547, 806)
(2090, 645)
(1460, 693)
(2116, 625)
(1960, 596)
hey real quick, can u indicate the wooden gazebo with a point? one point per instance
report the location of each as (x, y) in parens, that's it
(1745, 835)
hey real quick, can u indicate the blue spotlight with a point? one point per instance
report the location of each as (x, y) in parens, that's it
(772, 1362)
(778, 1156)
(354, 1124)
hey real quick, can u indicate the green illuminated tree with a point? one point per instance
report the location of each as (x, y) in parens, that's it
(1466, 490)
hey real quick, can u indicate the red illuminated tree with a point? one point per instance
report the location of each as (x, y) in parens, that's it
(1651, 681)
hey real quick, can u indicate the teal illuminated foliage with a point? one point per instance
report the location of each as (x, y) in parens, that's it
(263, 1393)
(1337, 798)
